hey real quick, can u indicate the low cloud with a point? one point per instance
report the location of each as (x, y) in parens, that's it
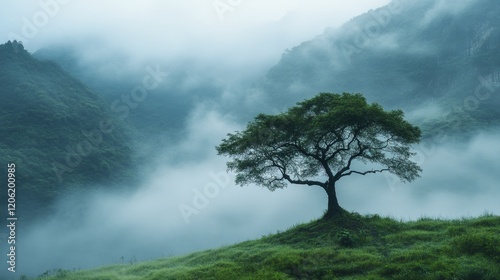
(444, 7)
(251, 34)
(102, 227)
(459, 180)
(97, 228)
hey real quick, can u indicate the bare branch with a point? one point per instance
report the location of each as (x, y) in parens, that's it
(303, 182)
(364, 173)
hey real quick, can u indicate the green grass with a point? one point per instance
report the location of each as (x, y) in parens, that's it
(348, 247)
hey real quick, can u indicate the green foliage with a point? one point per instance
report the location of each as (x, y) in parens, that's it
(392, 250)
(482, 242)
(345, 239)
(321, 136)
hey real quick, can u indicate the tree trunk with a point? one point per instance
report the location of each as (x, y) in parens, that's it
(334, 208)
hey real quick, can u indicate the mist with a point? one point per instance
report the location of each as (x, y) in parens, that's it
(458, 180)
(187, 201)
(242, 34)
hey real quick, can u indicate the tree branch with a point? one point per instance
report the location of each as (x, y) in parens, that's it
(343, 149)
(302, 150)
(362, 149)
(302, 182)
(364, 173)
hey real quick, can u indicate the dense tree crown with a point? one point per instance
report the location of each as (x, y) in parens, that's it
(321, 140)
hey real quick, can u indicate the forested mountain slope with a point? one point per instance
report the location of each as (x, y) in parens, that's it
(409, 54)
(60, 135)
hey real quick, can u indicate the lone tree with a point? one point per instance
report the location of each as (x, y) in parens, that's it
(321, 140)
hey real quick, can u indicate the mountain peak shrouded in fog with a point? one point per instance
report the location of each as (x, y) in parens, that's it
(406, 54)
(52, 128)
(403, 54)
(13, 47)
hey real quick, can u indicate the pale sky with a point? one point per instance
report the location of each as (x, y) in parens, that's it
(201, 28)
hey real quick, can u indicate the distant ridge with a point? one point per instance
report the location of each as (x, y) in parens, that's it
(408, 54)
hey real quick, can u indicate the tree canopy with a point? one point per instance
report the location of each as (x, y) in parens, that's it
(321, 140)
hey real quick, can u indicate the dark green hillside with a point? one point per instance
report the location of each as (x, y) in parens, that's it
(160, 118)
(405, 55)
(350, 247)
(50, 128)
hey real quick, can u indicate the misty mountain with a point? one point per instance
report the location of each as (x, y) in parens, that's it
(160, 117)
(61, 135)
(113, 116)
(436, 60)
(410, 55)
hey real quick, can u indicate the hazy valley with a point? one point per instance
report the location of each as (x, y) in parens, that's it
(113, 138)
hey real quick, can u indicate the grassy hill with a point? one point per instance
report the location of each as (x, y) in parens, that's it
(347, 247)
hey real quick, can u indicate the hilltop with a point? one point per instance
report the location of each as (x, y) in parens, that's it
(349, 247)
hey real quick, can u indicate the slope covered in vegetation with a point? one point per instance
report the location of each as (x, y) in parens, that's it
(408, 55)
(61, 135)
(347, 247)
